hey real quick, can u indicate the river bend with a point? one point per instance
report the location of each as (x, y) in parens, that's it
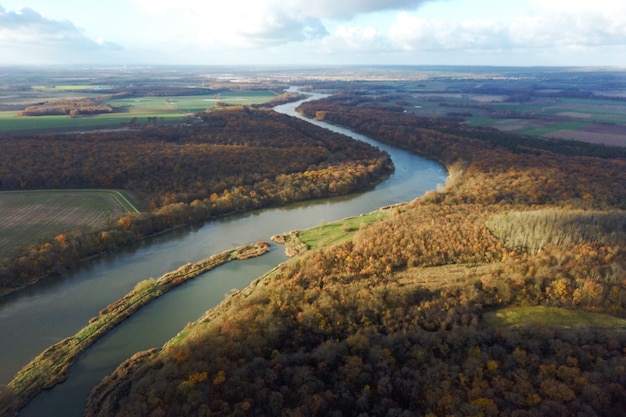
(34, 318)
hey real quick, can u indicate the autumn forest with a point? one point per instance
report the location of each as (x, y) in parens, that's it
(416, 314)
(394, 321)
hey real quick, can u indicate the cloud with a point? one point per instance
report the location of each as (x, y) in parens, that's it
(253, 23)
(551, 27)
(412, 33)
(37, 39)
(347, 9)
(200, 31)
(320, 9)
(348, 39)
(333, 27)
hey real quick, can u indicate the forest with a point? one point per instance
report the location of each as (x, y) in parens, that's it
(226, 161)
(72, 108)
(390, 323)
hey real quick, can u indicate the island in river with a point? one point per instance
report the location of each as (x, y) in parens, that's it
(53, 365)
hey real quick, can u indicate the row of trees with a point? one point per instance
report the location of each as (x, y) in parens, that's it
(380, 326)
(71, 108)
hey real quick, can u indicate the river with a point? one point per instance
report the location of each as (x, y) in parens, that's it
(34, 318)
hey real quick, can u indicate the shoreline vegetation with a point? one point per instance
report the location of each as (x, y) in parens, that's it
(53, 365)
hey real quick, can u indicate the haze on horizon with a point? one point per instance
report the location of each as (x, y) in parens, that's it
(323, 32)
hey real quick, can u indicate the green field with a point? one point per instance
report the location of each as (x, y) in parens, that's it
(540, 131)
(157, 106)
(10, 121)
(339, 231)
(30, 216)
(544, 117)
(68, 87)
(589, 110)
(139, 108)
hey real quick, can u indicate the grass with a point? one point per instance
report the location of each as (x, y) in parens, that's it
(584, 112)
(157, 106)
(30, 216)
(339, 231)
(11, 122)
(553, 106)
(550, 317)
(481, 121)
(605, 111)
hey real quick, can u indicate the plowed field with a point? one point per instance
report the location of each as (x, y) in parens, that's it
(27, 217)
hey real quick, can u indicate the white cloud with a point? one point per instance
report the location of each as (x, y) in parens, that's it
(321, 9)
(574, 24)
(580, 6)
(549, 27)
(413, 33)
(324, 31)
(37, 39)
(346, 9)
(355, 39)
(253, 23)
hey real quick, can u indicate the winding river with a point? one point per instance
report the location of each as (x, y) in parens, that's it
(33, 319)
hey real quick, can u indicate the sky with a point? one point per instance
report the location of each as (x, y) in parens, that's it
(314, 32)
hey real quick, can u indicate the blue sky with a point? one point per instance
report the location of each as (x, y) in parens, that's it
(313, 32)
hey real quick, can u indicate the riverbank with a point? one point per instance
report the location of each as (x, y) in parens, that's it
(297, 242)
(53, 365)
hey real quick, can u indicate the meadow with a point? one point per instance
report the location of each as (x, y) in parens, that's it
(333, 233)
(30, 216)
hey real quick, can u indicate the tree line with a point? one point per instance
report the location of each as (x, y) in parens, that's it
(68, 107)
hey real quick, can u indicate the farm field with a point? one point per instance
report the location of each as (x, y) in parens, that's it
(138, 109)
(178, 105)
(592, 120)
(595, 120)
(29, 216)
